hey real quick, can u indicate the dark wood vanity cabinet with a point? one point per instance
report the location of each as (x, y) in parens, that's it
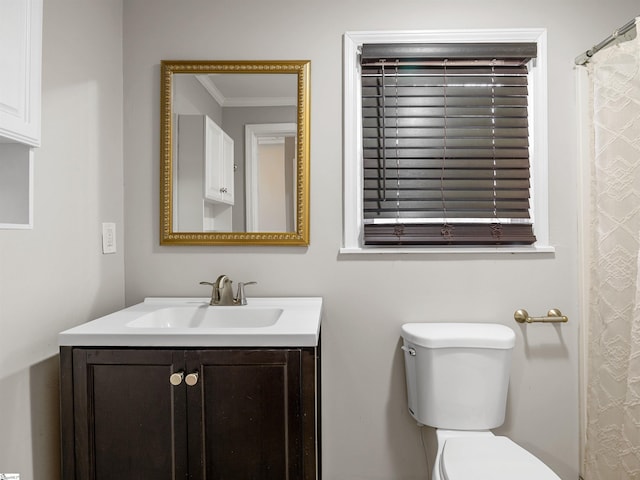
(235, 414)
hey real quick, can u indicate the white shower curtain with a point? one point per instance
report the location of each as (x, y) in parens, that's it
(612, 448)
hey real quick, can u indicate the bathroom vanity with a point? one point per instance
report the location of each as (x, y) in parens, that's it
(219, 409)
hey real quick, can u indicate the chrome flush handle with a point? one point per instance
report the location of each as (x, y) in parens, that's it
(409, 350)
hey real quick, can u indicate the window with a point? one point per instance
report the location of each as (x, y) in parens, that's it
(445, 142)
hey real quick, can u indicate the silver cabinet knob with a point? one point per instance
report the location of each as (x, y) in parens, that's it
(191, 379)
(176, 378)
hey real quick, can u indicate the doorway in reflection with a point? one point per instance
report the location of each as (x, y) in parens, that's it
(270, 177)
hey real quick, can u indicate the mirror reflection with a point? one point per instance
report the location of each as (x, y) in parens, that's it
(234, 153)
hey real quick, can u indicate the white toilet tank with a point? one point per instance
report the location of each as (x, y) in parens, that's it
(458, 373)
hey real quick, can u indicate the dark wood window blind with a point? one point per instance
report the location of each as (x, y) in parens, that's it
(445, 139)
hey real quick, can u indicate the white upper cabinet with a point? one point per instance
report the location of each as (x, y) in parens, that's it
(20, 94)
(20, 71)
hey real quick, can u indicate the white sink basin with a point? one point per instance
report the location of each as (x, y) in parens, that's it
(185, 322)
(205, 316)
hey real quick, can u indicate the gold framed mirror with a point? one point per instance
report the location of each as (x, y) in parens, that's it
(234, 153)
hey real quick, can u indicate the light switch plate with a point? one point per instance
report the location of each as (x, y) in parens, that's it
(108, 238)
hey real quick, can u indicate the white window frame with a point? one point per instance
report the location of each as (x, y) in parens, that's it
(352, 202)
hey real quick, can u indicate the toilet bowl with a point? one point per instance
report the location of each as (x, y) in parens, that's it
(465, 456)
(457, 378)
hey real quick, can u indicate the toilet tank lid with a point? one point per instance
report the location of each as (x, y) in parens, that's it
(469, 335)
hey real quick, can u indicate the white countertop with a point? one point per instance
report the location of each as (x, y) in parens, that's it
(298, 325)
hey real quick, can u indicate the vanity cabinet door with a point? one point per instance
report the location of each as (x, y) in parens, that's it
(129, 420)
(247, 404)
(230, 414)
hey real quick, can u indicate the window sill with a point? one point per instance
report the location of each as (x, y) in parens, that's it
(445, 250)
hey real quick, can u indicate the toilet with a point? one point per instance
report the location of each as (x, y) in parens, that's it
(457, 380)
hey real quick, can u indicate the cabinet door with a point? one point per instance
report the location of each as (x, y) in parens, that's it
(20, 58)
(247, 407)
(218, 167)
(129, 420)
(228, 169)
(213, 186)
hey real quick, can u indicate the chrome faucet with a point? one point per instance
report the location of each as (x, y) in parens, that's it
(222, 293)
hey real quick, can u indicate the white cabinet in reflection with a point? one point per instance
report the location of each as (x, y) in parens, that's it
(203, 176)
(218, 165)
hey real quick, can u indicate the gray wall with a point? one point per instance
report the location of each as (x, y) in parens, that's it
(367, 433)
(55, 276)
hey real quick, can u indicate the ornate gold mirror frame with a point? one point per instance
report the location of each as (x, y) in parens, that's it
(168, 234)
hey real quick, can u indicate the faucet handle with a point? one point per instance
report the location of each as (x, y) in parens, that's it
(214, 291)
(241, 298)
